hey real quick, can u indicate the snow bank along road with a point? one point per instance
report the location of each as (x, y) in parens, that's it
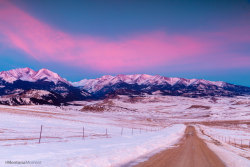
(190, 152)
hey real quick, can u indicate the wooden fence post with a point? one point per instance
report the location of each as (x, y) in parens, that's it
(121, 131)
(41, 133)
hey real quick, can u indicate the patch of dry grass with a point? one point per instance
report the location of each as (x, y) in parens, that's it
(93, 108)
(199, 107)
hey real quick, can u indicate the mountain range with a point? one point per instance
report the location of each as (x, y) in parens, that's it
(26, 86)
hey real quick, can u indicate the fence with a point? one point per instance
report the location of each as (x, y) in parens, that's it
(55, 134)
(242, 143)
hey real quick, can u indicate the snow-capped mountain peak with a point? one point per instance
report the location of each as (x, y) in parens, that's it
(15, 74)
(93, 85)
(105, 86)
(47, 75)
(27, 74)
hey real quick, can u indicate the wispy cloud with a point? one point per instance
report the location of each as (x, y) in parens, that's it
(138, 51)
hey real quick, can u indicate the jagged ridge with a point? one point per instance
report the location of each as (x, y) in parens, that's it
(17, 82)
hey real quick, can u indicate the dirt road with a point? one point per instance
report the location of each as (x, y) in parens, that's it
(191, 152)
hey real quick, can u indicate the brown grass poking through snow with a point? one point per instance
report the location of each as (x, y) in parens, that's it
(93, 108)
(199, 107)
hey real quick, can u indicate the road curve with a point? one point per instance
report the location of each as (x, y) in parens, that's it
(192, 151)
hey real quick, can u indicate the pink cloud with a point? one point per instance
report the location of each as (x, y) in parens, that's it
(44, 43)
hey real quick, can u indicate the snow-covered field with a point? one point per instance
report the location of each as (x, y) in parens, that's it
(226, 143)
(179, 109)
(122, 131)
(104, 152)
(63, 142)
(237, 135)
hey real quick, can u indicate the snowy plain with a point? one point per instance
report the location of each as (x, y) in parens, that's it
(62, 142)
(126, 130)
(233, 155)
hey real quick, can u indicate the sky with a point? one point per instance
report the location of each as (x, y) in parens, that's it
(87, 39)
